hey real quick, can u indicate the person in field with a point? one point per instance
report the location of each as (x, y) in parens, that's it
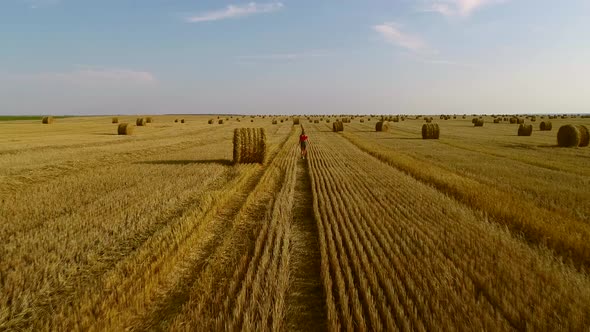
(303, 139)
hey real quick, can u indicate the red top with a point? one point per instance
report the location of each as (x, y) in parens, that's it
(302, 138)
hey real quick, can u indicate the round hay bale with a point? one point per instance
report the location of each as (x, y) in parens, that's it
(274, 121)
(430, 131)
(47, 120)
(140, 122)
(513, 120)
(337, 126)
(382, 126)
(427, 120)
(125, 129)
(546, 126)
(115, 120)
(316, 121)
(210, 121)
(181, 120)
(474, 120)
(252, 120)
(175, 120)
(220, 121)
(497, 120)
(520, 121)
(149, 119)
(570, 136)
(584, 136)
(525, 130)
(327, 120)
(478, 123)
(295, 121)
(362, 120)
(249, 145)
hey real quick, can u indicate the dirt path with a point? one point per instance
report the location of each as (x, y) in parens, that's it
(305, 301)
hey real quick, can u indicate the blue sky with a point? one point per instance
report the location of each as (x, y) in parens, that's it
(325, 57)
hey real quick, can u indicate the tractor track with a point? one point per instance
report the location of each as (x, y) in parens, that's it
(306, 304)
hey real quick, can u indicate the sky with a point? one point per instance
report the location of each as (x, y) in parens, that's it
(81, 57)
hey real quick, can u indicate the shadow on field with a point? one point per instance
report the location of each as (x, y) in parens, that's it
(519, 146)
(224, 162)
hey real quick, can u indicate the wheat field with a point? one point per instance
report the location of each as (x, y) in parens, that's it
(480, 229)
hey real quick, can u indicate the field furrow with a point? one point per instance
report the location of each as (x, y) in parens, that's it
(246, 282)
(446, 264)
(568, 237)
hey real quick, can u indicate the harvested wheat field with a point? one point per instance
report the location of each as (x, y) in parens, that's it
(222, 228)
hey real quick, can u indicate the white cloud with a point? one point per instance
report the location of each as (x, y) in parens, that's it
(93, 75)
(235, 11)
(392, 34)
(461, 8)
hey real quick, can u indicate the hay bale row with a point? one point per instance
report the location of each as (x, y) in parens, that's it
(47, 120)
(249, 145)
(115, 120)
(430, 131)
(338, 126)
(140, 122)
(382, 126)
(571, 136)
(525, 130)
(125, 129)
(478, 123)
(545, 126)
